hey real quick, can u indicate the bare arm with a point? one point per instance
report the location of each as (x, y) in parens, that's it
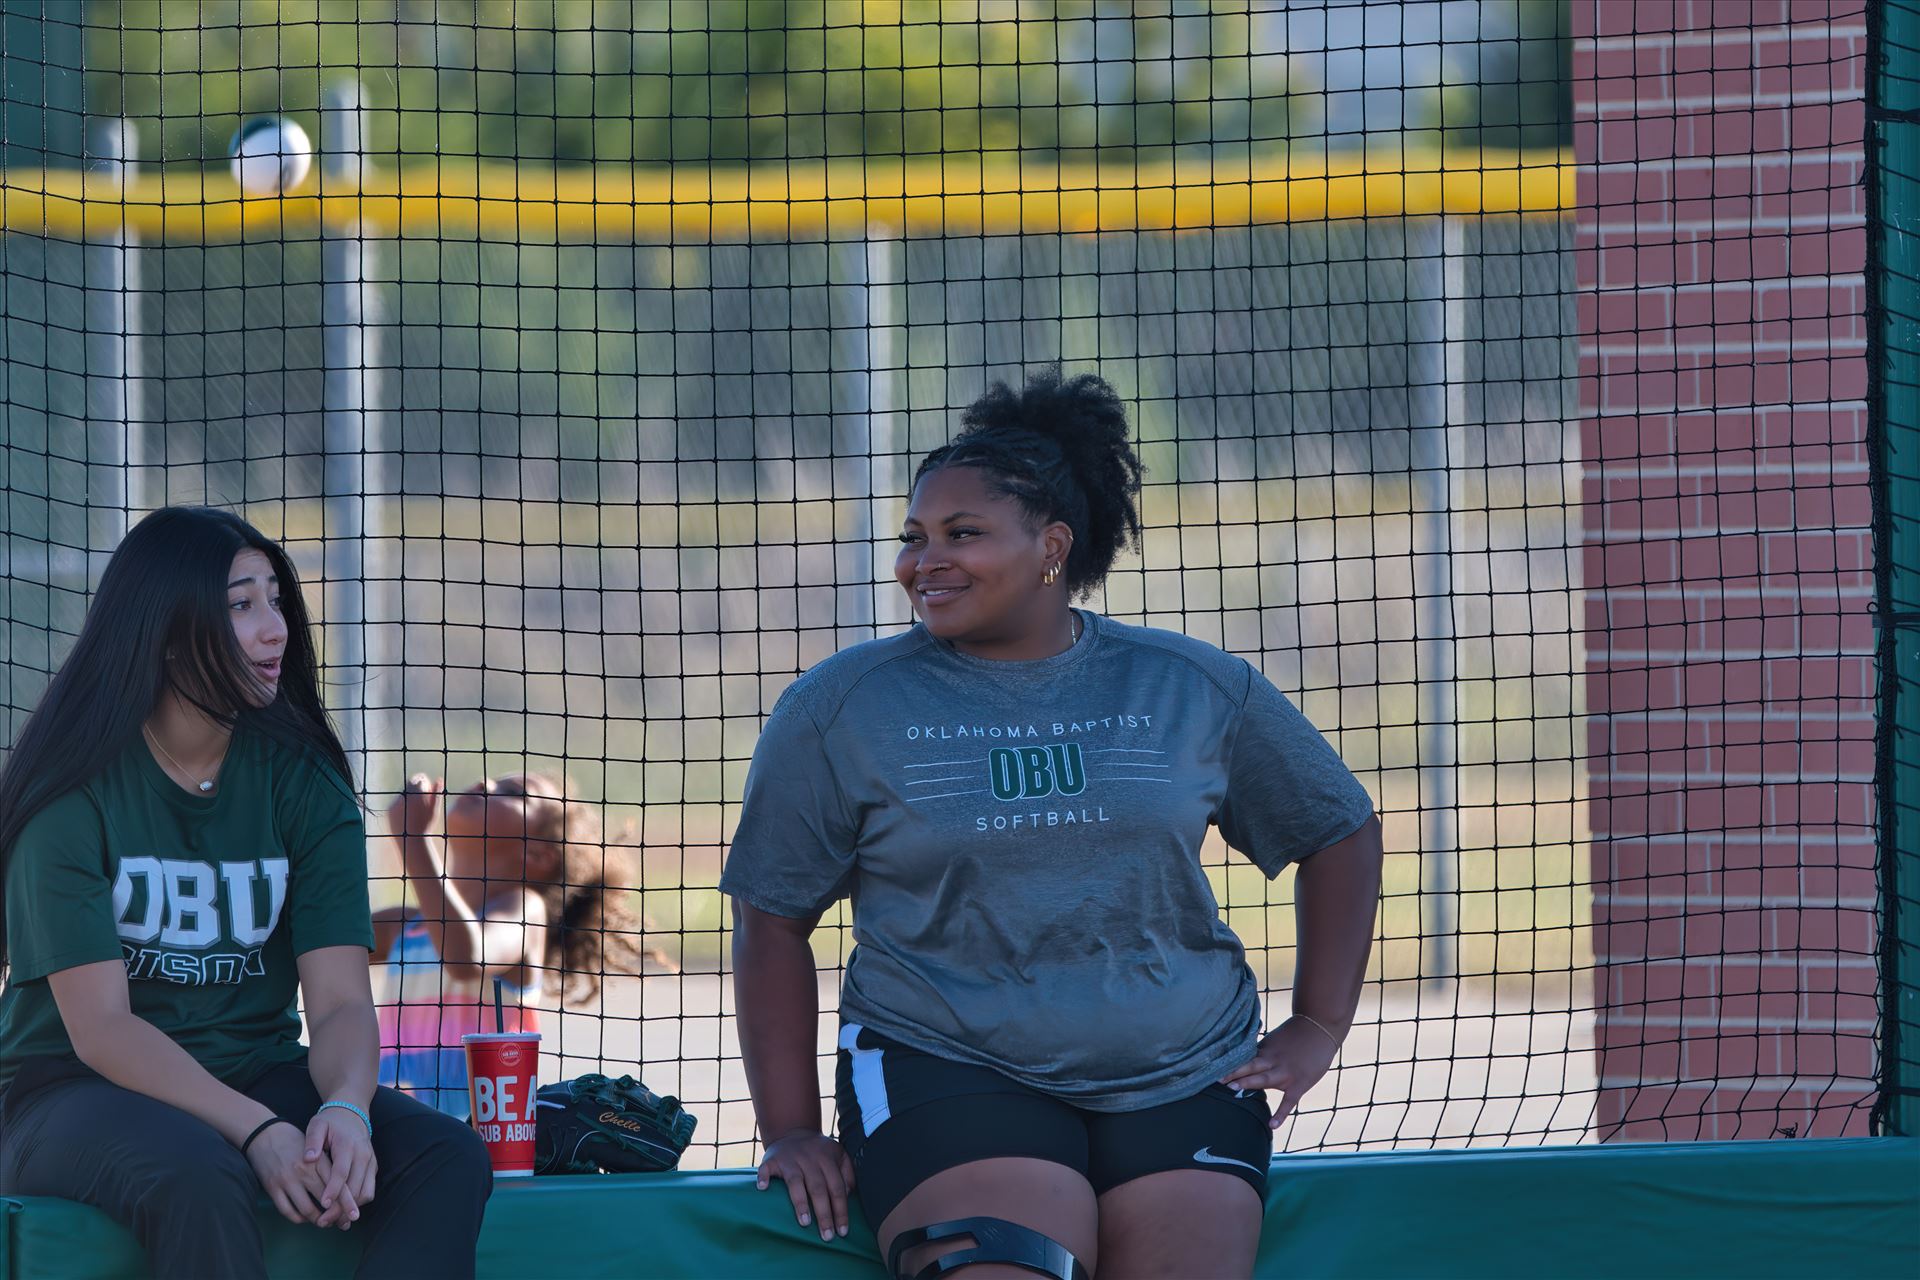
(1336, 893)
(776, 986)
(343, 1062)
(473, 945)
(134, 1054)
(452, 923)
(388, 922)
(341, 1028)
(1336, 897)
(131, 1052)
(777, 989)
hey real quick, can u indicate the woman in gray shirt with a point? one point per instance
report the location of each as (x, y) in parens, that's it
(1050, 1049)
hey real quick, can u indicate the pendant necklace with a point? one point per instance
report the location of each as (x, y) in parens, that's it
(205, 785)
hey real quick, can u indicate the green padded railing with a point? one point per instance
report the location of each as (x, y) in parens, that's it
(1826, 1207)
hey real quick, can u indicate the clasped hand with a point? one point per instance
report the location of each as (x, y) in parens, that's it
(323, 1176)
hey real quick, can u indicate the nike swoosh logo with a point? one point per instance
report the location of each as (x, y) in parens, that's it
(1205, 1156)
(557, 1106)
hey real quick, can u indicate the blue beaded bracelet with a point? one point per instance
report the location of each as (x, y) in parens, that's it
(365, 1119)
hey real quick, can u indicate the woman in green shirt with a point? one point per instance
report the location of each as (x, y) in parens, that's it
(184, 860)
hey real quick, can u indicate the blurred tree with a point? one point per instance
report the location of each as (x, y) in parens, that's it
(653, 81)
(1509, 75)
(41, 105)
(649, 81)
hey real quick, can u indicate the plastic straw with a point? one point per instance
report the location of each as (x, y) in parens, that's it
(499, 1008)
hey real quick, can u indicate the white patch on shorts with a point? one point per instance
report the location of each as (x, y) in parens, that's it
(869, 1080)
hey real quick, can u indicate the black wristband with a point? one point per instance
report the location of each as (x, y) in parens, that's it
(261, 1128)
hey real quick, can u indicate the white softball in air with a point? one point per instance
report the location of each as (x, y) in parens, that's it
(270, 156)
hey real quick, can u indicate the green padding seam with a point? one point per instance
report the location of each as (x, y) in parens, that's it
(1814, 1207)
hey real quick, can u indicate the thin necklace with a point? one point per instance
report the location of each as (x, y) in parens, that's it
(206, 785)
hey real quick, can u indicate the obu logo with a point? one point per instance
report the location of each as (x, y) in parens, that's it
(1027, 773)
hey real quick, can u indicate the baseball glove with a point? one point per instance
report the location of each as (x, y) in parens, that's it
(592, 1123)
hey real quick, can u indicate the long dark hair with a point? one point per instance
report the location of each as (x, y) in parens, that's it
(1059, 448)
(159, 618)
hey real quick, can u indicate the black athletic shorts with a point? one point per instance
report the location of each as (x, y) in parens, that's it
(907, 1115)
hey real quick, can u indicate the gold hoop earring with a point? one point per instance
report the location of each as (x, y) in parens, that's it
(1051, 575)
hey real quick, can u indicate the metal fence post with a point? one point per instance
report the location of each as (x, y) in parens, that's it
(1434, 291)
(116, 407)
(354, 481)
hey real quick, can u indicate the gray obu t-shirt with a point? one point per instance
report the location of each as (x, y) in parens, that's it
(1022, 844)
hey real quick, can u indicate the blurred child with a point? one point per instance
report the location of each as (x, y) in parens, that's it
(516, 888)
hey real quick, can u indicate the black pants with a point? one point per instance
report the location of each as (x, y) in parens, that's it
(190, 1197)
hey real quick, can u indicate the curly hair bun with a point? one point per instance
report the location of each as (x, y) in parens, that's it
(1059, 447)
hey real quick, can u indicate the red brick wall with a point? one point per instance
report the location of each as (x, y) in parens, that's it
(1720, 243)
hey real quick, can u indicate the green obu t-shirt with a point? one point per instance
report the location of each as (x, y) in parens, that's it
(207, 900)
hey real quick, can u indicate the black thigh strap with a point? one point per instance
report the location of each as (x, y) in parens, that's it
(994, 1240)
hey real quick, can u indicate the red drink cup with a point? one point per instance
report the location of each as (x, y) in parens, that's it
(501, 1067)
